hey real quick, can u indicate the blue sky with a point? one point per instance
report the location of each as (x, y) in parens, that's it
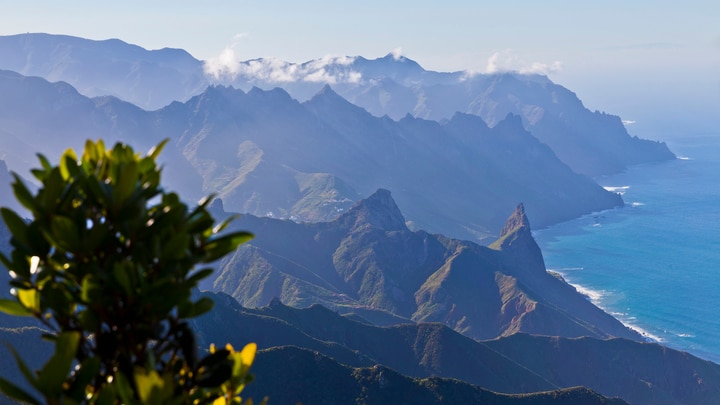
(653, 62)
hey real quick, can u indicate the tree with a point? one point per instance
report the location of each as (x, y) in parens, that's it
(107, 264)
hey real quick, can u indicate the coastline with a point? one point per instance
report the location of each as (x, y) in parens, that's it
(595, 296)
(652, 264)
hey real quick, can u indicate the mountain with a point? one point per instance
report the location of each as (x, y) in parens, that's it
(591, 143)
(37, 116)
(264, 153)
(149, 79)
(371, 363)
(252, 147)
(642, 372)
(368, 262)
(325, 381)
(638, 372)
(288, 374)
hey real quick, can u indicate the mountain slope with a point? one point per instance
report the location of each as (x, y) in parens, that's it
(292, 375)
(368, 262)
(641, 373)
(149, 79)
(591, 143)
(252, 147)
(266, 154)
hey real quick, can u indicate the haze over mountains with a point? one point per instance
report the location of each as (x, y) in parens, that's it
(392, 85)
(317, 155)
(326, 153)
(263, 152)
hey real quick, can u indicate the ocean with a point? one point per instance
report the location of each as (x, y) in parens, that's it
(655, 263)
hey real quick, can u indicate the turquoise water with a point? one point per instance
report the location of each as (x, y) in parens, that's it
(654, 264)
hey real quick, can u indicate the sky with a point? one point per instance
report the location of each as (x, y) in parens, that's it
(656, 63)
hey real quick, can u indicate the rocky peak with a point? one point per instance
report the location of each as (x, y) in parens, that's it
(516, 222)
(378, 211)
(518, 245)
(516, 234)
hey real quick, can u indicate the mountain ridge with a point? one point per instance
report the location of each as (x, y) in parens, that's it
(267, 154)
(358, 262)
(393, 85)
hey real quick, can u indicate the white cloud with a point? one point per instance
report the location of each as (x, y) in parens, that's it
(328, 69)
(507, 61)
(542, 68)
(226, 64)
(397, 53)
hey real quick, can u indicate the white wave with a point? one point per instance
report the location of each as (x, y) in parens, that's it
(645, 334)
(596, 297)
(636, 204)
(593, 295)
(685, 335)
(684, 158)
(617, 189)
(561, 269)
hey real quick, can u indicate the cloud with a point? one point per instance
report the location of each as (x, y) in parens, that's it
(226, 64)
(397, 53)
(328, 69)
(507, 61)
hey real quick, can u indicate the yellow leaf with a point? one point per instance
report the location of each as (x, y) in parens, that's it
(30, 299)
(220, 401)
(248, 354)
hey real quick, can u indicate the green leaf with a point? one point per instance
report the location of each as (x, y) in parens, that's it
(191, 310)
(68, 162)
(222, 225)
(12, 391)
(44, 161)
(120, 273)
(152, 388)
(123, 388)
(176, 247)
(199, 275)
(89, 320)
(17, 226)
(91, 288)
(154, 152)
(54, 185)
(65, 233)
(23, 195)
(219, 247)
(56, 370)
(107, 396)
(88, 370)
(12, 307)
(199, 222)
(126, 183)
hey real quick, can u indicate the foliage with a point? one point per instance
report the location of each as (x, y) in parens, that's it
(107, 265)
